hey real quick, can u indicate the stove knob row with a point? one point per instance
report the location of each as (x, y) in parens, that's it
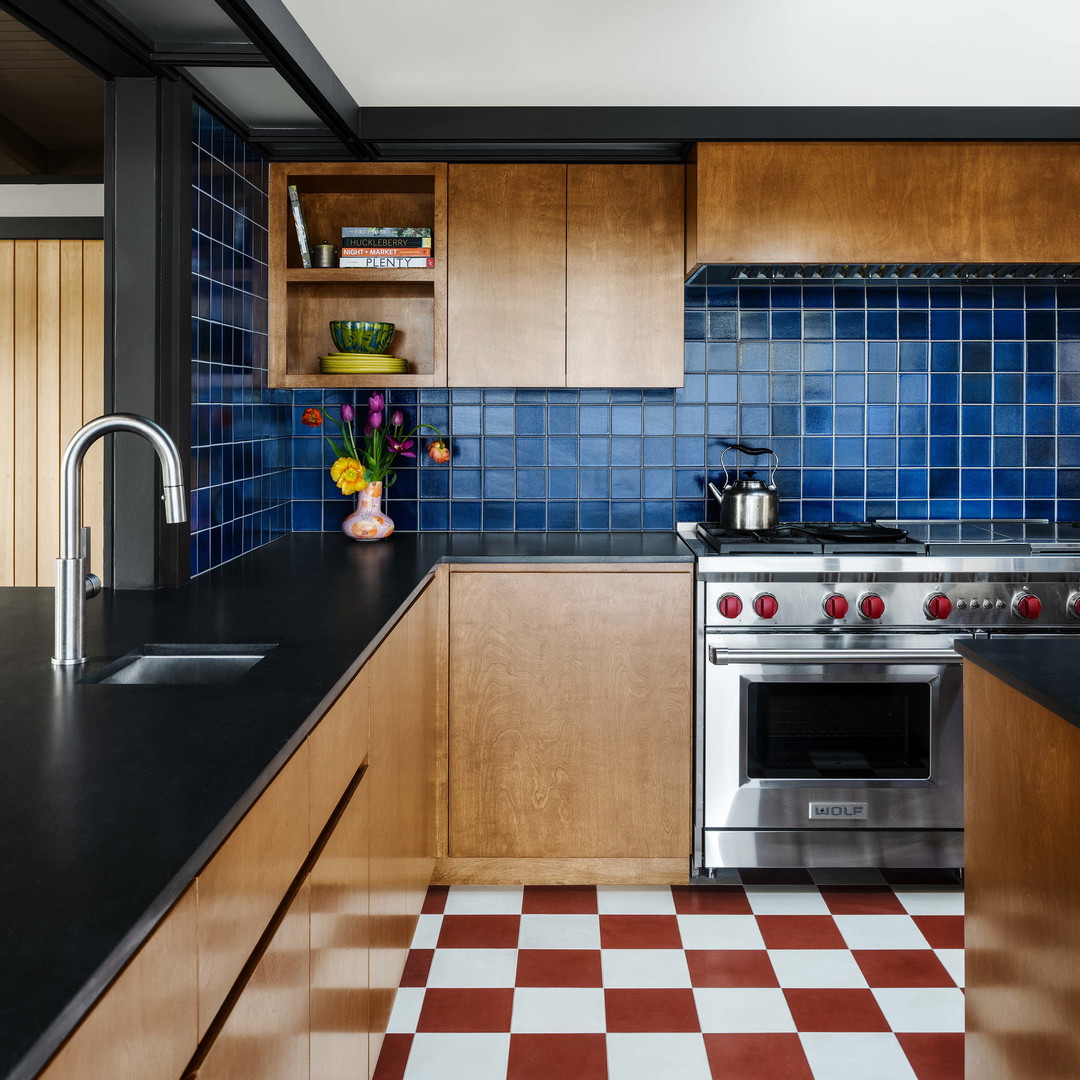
(765, 606)
(1027, 606)
(1072, 605)
(729, 605)
(938, 606)
(835, 606)
(871, 606)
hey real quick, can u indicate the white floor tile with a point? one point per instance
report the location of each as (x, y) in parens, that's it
(742, 1010)
(880, 932)
(655, 1056)
(406, 1011)
(631, 968)
(930, 900)
(929, 1009)
(559, 932)
(452, 1056)
(814, 968)
(858, 1055)
(634, 900)
(548, 1011)
(451, 968)
(427, 932)
(953, 960)
(484, 900)
(720, 932)
(785, 900)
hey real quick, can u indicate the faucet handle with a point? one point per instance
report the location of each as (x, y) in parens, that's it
(84, 542)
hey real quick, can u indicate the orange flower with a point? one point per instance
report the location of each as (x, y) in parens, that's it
(438, 452)
(312, 418)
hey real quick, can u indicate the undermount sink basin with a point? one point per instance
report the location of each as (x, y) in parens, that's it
(177, 665)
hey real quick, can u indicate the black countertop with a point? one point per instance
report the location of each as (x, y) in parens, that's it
(114, 797)
(1045, 669)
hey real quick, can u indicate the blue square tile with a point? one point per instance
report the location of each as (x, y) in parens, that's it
(880, 295)
(722, 326)
(626, 516)
(657, 516)
(818, 420)
(975, 325)
(817, 452)
(498, 452)
(498, 516)
(1008, 324)
(789, 296)
(595, 483)
(531, 516)
(694, 325)
(881, 325)
(593, 516)
(659, 451)
(465, 516)
(722, 356)
(786, 325)
(722, 296)
(817, 324)
(914, 325)
(562, 515)
(850, 419)
(786, 420)
(434, 514)
(754, 324)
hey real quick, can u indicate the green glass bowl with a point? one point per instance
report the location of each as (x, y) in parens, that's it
(362, 337)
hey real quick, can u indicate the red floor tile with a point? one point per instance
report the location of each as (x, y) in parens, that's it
(710, 900)
(393, 1057)
(466, 1010)
(902, 967)
(942, 931)
(417, 966)
(936, 1055)
(435, 900)
(757, 1057)
(546, 1057)
(800, 932)
(834, 1010)
(559, 900)
(639, 932)
(730, 967)
(559, 967)
(862, 900)
(651, 1010)
(479, 932)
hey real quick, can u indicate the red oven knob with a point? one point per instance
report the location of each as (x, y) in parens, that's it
(1027, 606)
(730, 606)
(938, 606)
(835, 606)
(1073, 605)
(871, 606)
(765, 606)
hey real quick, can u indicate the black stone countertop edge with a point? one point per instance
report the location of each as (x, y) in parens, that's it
(1045, 669)
(164, 773)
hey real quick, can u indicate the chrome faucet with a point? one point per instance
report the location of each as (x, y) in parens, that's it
(74, 583)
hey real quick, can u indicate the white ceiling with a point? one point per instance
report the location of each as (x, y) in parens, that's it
(699, 52)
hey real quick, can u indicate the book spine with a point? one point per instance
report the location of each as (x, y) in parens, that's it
(384, 230)
(301, 227)
(388, 263)
(362, 252)
(386, 241)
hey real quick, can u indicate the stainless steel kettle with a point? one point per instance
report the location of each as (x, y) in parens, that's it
(748, 505)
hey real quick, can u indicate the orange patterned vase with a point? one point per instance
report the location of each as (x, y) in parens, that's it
(368, 522)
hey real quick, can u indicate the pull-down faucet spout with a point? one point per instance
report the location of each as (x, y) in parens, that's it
(74, 583)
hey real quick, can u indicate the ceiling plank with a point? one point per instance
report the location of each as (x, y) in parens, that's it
(25, 150)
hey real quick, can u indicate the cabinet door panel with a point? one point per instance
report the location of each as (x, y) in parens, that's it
(570, 704)
(624, 275)
(265, 1036)
(337, 747)
(506, 300)
(340, 933)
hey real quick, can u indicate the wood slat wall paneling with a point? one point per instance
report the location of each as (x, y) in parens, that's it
(93, 391)
(24, 516)
(48, 397)
(7, 412)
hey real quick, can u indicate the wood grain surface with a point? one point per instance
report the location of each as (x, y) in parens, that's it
(1022, 885)
(890, 202)
(506, 292)
(562, 871)
(570, 715)
(624, 275)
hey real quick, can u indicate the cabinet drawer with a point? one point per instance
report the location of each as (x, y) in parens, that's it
(244, 883)
(336, 749)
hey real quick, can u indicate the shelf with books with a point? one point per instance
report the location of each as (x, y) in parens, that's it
(334, 196)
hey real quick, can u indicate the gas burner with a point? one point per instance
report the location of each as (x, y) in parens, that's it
(810, 538)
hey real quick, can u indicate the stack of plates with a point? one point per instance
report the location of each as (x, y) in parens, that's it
(362, 364)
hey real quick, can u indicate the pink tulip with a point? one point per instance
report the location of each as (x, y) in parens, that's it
(376, 403)
(375, 420)
(348, 413)
(397, 418)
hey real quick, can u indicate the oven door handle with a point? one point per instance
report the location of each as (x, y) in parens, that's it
(833, 656)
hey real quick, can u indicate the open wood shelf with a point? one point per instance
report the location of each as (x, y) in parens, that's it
(304, 301)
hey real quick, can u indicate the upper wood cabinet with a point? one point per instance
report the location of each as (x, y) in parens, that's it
(624, 275)
(883, 202)
(565, 275)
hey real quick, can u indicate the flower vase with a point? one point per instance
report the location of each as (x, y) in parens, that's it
(368, 522)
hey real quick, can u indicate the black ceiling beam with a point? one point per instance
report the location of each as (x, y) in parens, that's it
(388, 125)
(198, 54)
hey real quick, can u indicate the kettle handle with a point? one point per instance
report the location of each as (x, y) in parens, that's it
(752, 451)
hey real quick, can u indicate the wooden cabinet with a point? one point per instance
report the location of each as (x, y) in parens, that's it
(1021, 884)
(624, 275)
(570, 723)
(844, 203)
(565, 275)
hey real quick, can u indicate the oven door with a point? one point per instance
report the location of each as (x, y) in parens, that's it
(832, 731)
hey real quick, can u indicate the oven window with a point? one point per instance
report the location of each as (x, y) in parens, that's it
(857, 730)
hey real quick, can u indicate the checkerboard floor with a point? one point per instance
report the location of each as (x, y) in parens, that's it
(729, 982)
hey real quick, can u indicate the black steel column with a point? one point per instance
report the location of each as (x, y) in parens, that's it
(147, 319)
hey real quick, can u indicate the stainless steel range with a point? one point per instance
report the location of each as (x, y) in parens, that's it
(830, 716)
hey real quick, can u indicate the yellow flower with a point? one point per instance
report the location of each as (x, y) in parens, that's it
(348, 474)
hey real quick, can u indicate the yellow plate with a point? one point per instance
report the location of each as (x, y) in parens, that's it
(359, 356)
(364, 367)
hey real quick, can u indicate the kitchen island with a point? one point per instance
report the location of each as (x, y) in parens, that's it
(114, 797)
(1022, 874)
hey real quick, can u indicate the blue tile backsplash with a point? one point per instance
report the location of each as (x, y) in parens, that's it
(240, 484)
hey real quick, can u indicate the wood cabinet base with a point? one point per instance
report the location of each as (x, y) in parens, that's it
(561, 872)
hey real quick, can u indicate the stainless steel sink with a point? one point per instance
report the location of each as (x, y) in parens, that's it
(176, 665)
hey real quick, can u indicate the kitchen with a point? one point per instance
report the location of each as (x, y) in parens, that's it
(545, 781)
